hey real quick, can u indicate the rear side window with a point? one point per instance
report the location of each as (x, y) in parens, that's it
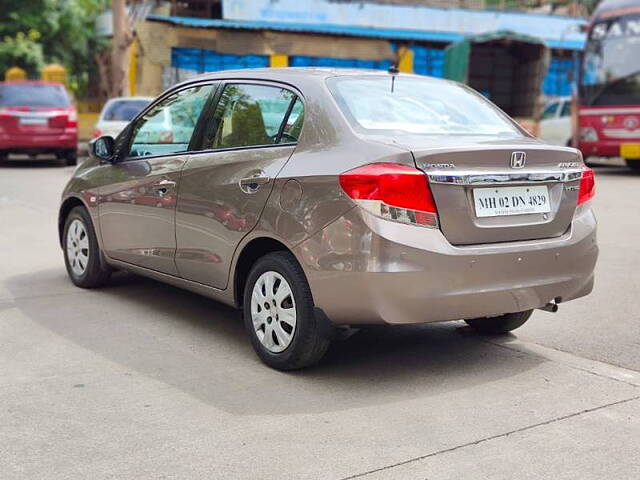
(33, 95)
(566, 109)
(252, 115)
(167, 128)
(123, 110)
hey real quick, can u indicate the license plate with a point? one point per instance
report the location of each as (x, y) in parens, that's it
(496, 202)
(630, 150)
(33, 121)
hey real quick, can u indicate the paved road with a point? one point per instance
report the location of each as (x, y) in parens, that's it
(142, 380)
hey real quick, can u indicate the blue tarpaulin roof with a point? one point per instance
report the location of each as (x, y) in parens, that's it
(354, 31)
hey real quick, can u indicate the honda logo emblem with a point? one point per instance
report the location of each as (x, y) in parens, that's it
(518, 159)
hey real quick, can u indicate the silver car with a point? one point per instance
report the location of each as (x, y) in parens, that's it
(320, 200)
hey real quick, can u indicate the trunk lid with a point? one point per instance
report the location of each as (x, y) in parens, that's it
(464, 179)
(34, 120)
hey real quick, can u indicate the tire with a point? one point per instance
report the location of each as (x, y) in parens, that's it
(633, 164)
(499, 325)
(84, 264)
(71, 157)
(289, 347)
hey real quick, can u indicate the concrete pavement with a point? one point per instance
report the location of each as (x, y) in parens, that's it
(142, 380)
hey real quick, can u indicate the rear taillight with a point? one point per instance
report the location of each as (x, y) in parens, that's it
(72, 119)
(393, 192)
(64, 119)
(587, 186)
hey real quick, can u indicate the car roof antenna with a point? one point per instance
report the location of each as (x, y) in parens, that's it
(393, 70)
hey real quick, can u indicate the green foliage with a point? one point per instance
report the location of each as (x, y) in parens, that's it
(22, 51)
(37, 32)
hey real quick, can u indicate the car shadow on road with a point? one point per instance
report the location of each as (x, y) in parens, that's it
(199, 346)
(26, 162)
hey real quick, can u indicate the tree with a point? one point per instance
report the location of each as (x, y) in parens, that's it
(50, 31)
(22, 51)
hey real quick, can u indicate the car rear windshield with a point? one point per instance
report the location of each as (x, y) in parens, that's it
(33, 95)
(389, 104)
(123, 110)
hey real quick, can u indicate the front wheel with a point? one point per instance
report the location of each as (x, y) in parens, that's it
(499, 325)
(279, 314)
(81, 251)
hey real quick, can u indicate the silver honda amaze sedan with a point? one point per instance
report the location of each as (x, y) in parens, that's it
(322, 199)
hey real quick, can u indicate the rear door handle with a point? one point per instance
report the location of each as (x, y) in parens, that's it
(163, 186)
(251, 184)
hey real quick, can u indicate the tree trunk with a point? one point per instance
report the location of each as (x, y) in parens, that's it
(122, 39)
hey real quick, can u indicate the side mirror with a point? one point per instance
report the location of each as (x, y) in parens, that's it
(103, 148)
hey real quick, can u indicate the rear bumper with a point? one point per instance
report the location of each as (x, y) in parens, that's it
(39, 143)
(363, 270)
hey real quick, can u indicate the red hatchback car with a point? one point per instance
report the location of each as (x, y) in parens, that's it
(37, 117)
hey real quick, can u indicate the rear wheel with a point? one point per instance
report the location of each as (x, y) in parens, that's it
(279, 314)
(71, 157)
(499, 325)
(81, 251)
(633, 164)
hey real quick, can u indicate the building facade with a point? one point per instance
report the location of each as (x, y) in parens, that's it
(322, 33)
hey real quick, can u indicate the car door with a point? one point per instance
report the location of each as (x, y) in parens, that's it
(548, 122)
(137, 205)
(251, 135)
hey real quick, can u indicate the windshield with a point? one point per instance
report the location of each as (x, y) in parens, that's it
(33, 95)
(417, 106)
(123, 110)
(611, 66)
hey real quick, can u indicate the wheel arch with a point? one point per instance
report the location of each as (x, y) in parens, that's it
(69, 204)
(254, 249)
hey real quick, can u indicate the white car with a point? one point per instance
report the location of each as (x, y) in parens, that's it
(555, 123)
(117, 113)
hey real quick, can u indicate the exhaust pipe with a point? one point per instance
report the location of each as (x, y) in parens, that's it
(550, 307)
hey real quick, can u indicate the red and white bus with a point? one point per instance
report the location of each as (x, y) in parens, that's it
(609, 85)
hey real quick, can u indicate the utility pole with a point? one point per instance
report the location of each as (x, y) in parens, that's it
(122, 38)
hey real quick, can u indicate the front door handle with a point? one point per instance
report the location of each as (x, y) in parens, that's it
(164, 186)
(251, 184)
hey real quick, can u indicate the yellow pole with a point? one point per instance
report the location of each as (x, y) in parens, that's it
(405, 60)
(278, 60)
(133, 67)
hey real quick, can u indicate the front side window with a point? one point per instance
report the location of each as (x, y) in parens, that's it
(252, 115)
(168, 127)
(384, 105)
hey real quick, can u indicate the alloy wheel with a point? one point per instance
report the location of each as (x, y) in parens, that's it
(77, 247)
(273, 311)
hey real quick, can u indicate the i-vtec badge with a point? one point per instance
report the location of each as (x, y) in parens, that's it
(440, 166)
(518, 159)
(568, 165)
